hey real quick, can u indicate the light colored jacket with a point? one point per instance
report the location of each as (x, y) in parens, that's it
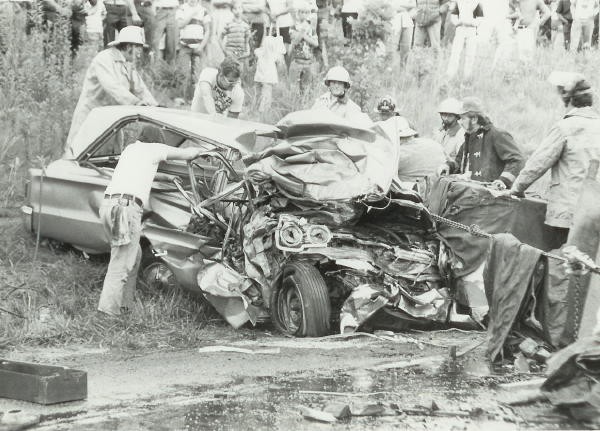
(109, 80)
(566, 151)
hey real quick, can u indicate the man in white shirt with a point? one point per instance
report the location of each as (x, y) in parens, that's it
(336, 100)
(466, 16)
(219, 91)
(451, 135)
(583, 13)
(121, 216)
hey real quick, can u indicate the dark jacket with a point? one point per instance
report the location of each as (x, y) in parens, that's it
(489, 154)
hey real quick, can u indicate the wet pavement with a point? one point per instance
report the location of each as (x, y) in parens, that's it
(464, 394)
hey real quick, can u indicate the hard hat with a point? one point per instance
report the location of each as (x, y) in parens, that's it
(338, 73)
(472, 104)
(451, 106)
(386, 104)
(404, 128)
(130, 34)
(570, 83)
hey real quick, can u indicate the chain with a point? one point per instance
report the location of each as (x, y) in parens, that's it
(475, 230)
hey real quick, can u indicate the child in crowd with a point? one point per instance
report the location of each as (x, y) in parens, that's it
(268, 55)
(302, 56)
(235, 38)
(194, 23)
(220, 15)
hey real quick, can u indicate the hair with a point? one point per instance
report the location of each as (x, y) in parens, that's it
(230, 67)
(580, 96)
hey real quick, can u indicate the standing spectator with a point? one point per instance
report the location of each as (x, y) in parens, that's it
(95, 13)
(488, 154)
(336, 99)
(166, 23)
(267, 56)
(428, 23)
(219, 91)
(451, 135)
(583, 13)
(302, 56)
(77, 25)
(147, 13)
(111, 78)
(563, 14)
(566, 151)
(194, 33)
(349, 12)
(402, 29)
(497, 25)
(281, 16)
(235, 39)
(322, 28)
(220, 15)
(527, 24)
(466, 16)
(255, 14)
(117, 17)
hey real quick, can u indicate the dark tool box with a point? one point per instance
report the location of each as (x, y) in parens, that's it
(42, 384)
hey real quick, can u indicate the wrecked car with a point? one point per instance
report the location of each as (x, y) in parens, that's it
(303, 223)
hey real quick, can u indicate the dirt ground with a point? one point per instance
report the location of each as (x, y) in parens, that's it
(224, 390)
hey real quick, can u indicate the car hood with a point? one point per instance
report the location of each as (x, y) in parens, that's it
(229, 132)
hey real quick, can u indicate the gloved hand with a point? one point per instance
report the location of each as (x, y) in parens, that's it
(498, 185)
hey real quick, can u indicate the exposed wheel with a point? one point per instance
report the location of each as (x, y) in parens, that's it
(157, 277)
(300, 304)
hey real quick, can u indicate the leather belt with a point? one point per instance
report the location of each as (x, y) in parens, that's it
(127, 197)
(167, 8)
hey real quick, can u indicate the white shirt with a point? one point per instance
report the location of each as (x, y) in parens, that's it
(94, 16)
(347, 109)
(352, 6)
(136, 169)
(277, 6)
(166, 3)
(583, 9)
(209, 75)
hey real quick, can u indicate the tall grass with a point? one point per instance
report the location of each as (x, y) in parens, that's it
(53, 300)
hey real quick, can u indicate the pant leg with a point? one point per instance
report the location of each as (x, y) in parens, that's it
(258, 32)
(266, 98)
(586, 33)
(470, 51)
(576, 29)
(160, 27)
(172, 36)
(420, 36)
(505, 40)
(119, 283)
(434, 33)
(148, 16)
(526, 44)
(294, 74)
(567, 34)
(405, 42)
(110, 23)
(457, 46)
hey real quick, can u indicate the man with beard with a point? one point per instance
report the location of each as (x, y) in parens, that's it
(336, 100)
(451, 135)
(488, 154)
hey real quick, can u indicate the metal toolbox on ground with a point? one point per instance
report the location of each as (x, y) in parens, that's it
(42, 384)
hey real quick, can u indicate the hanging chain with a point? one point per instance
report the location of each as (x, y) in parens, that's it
(475, 230)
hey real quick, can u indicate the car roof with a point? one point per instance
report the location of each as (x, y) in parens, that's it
(230, 132)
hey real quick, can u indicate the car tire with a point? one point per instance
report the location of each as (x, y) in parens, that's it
(300, 304)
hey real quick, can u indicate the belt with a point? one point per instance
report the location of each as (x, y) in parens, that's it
(163, 7)
(521, 27)
(114, 5)
(125, 196)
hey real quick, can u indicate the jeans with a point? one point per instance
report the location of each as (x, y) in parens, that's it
(148, 18)
(581, 31)
(166, 23)
(465, 37)
(431, 32)
(117, 17)
(119, 283)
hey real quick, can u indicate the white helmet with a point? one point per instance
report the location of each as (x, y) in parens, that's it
(338, 73)
(130, 34)
(451, 106)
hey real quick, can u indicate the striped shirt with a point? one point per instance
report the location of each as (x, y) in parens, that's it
(237, 34)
